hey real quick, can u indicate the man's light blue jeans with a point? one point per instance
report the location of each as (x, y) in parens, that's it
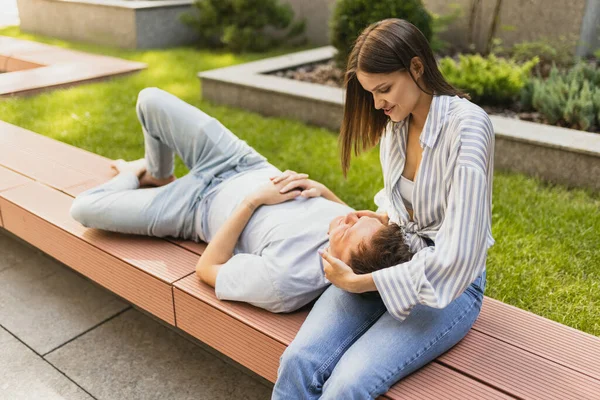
(171, 126)
(350, 347)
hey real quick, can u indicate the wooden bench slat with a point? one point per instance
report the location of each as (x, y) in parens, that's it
(231, 337)
(518, 372)
(134, 285)
(58, 67)
(549, 339)
(50, 152)
(20, 48)
(10, 179)
(154, 256)
(196, 248)
(90, 164)
(435, 382)
(38, 167)
(280, 327)
(79, 188)
(45, 54)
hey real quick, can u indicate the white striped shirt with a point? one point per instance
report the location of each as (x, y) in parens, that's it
(452, 205)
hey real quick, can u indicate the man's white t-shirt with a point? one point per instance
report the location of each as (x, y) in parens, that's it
(275, 264)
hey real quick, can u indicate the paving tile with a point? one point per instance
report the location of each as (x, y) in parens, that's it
(44, 303)
(134, 357)
(25, 376)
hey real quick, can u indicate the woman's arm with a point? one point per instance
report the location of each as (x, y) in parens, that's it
(220, 248)
(436, 275)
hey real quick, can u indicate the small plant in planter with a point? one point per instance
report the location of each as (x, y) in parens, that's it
(569, 98)
(239, 25)
(558, 52)
(490, 80)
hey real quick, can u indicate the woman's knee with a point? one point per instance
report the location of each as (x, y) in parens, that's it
(297, 374)
(347, 384)
(293, 356)
(305, 357)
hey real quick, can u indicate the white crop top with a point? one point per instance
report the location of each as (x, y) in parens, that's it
(406, 190)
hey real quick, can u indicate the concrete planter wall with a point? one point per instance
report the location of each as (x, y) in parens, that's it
(559, 155)
(126, 24)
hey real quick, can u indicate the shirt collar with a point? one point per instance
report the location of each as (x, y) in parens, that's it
(438, 111)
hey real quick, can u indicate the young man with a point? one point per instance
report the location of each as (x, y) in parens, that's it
(263, 236)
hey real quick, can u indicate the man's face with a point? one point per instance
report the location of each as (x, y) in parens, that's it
(347, 231)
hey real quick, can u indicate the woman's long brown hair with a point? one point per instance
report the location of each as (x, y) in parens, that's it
(383, 47)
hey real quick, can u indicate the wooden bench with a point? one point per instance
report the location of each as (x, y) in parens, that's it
(510, 353)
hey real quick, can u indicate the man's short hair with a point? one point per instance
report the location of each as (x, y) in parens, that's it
(386, 248)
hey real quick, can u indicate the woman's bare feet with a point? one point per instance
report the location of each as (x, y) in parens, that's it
(138, 167)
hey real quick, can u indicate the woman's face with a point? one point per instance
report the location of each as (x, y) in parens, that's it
(347, 231)
(395, 93)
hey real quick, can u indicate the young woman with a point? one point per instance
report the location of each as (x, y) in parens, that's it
(263, 236)
(436, 150)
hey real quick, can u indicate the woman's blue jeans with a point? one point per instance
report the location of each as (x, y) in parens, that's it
(350, 347)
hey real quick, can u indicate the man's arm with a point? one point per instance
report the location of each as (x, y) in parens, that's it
(220, 248)
(310, 188)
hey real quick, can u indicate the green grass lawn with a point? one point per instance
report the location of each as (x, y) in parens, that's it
(547, 253)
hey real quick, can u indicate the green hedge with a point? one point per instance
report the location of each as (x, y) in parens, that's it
(351, 17)
(239, 25)
(570, 98)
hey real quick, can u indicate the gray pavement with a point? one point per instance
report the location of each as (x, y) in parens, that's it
(64, 337)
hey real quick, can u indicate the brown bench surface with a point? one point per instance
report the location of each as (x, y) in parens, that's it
(35, 67)
(509, 353)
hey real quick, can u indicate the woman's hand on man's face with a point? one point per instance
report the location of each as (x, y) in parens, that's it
(295, 181)
(340, 274)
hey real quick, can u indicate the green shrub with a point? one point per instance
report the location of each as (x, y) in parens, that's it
(559, 53)
(569, 98)
(489, 80)
(350, 17)
(239, 25)
(526, 97)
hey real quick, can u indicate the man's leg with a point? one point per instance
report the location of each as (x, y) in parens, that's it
(120, 206)
(171, 125)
